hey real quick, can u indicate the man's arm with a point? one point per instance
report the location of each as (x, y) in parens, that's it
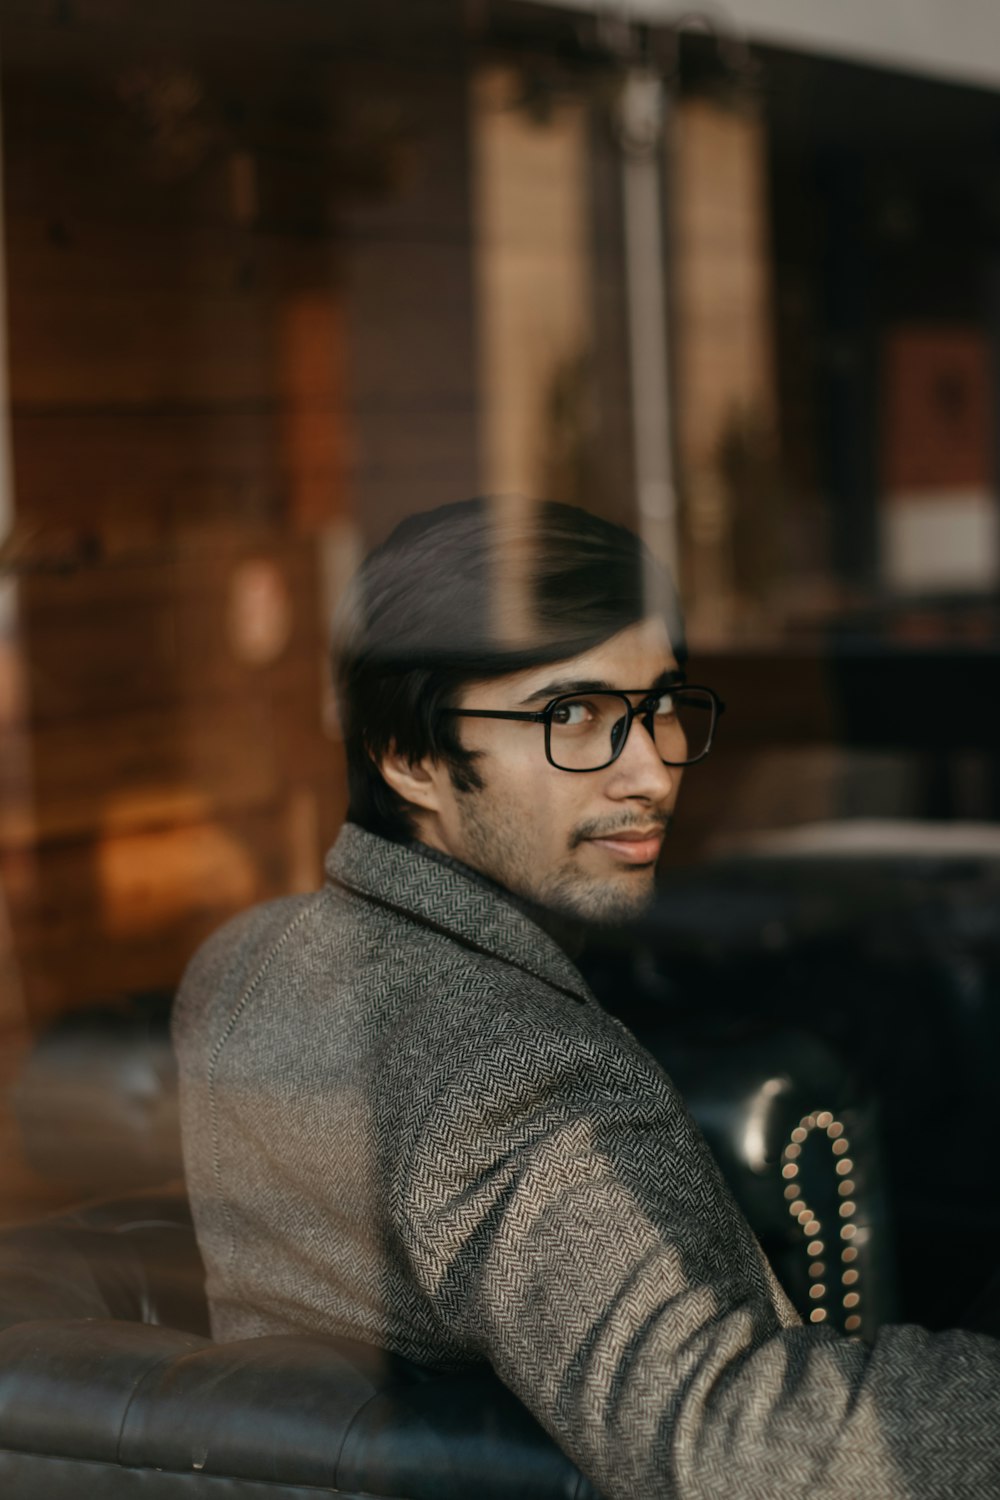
(564, 1216)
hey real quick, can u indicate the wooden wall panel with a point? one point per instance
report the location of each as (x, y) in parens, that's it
(241, 327)
(411, 315)
(137, 477)
(534, 275)
(179, 414)
(138, 904)
(180, 648)
(724, 364)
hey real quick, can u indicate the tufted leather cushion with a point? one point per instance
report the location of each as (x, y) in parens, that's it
(98, 1395)
(134, 1258)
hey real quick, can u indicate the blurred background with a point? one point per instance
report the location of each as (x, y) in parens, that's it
(279, 272)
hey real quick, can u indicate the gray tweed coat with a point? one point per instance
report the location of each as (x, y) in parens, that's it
(407, 1120)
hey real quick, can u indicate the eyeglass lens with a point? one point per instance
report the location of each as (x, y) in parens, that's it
(586, 731)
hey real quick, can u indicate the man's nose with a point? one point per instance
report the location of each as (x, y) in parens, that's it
(641, 771)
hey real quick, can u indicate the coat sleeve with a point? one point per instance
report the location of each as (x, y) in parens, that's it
(564, 1216)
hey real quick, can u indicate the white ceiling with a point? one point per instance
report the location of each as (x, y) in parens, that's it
(954, 39)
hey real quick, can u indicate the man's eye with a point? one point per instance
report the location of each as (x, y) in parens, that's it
(573, 714)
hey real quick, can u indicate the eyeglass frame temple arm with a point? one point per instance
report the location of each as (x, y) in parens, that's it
(498, 713)
(542, 716)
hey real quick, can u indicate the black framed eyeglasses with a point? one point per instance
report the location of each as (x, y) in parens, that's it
(587, 731)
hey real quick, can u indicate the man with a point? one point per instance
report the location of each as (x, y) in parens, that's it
(406, 1118)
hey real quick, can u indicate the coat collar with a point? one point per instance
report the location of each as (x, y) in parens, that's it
(470, 911)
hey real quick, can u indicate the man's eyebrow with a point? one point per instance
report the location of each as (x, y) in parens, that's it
(671, 677)
(667, 678)
(568, 685)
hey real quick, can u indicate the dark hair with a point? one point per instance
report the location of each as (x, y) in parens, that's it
(465, 592)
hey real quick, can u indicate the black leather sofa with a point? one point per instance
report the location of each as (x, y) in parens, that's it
(110, 1386)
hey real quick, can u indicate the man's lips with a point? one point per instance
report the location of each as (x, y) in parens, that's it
(634, 846)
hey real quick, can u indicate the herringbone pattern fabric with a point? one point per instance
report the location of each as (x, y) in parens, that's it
(407, 1120)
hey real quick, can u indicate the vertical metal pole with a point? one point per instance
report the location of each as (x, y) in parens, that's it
(642, 120)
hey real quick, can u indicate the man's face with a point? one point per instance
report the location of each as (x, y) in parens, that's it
(582, 844)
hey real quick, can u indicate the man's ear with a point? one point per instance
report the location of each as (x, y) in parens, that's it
(416, 781)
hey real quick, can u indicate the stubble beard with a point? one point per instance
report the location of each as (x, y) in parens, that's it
(502, 851)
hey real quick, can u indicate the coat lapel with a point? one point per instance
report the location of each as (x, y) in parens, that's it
(416, 885)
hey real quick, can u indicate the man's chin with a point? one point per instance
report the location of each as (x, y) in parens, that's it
(604, 903)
